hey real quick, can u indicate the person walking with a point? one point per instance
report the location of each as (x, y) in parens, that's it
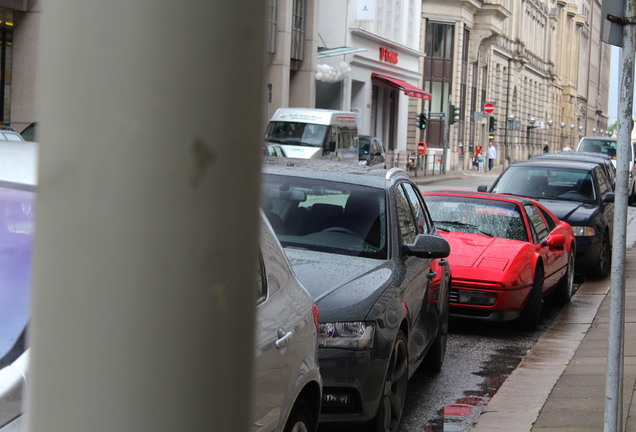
(492, 155)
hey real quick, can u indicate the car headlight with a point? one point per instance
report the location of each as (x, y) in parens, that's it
(584, 231)
(355, 335)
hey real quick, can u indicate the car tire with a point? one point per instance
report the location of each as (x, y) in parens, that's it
(604, 262)
(531, 314)
(565, 289)
(393, 396)
(435, 357)
(300, 419)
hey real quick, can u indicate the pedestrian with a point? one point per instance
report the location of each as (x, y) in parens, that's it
(480, 162)
(492, 155)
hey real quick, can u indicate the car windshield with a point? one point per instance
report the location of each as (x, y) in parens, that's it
(365, 145)
(16, 233)
(550, 183)
(598, 145)
(326, 216)
(292, 133)
(488, 217)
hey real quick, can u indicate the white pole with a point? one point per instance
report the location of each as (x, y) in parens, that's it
(614, 378)
(147, 207)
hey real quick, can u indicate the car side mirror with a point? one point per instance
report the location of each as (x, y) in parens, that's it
(427, 246)
(555, 241)
(609, 197)
(482, 188)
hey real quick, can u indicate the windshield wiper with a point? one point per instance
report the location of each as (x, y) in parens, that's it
(469, 226)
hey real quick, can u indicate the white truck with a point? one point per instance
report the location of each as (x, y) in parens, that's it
(312, 133)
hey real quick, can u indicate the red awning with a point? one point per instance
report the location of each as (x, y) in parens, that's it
(408, 89)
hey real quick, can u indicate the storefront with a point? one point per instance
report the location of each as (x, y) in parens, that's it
(376, 82)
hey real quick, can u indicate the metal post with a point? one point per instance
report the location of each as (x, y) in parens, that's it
(143, 254)
(614, 379)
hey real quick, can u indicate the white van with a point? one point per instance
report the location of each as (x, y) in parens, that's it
(607, 146)
(312, 133)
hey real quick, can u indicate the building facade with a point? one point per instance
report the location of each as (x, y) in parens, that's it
(19, 34)
(539, 63)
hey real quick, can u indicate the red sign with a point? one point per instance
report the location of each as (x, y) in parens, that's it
(388, 55)
(489, 107)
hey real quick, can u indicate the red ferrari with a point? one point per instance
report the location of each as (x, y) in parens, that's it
(507, 254)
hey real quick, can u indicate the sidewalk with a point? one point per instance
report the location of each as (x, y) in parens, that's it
(559, 386)
(454, 174)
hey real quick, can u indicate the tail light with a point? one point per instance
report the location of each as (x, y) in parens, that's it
(316, 313)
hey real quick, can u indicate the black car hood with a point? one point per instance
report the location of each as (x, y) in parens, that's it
(343, 287)
(572, 212)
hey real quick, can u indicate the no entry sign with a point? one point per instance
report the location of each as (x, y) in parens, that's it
(489, 107)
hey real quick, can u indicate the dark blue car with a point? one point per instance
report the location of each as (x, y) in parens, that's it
(579, 193)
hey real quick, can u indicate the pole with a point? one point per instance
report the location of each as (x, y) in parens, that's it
(140, 238)
(614, 377)
(446, 137)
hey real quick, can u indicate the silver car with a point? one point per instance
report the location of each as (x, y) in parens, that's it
(17, 205)
(287, 383)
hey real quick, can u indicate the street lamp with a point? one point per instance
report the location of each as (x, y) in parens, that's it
(594, 131)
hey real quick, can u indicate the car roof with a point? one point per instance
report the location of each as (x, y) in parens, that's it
(341, 172)
(597, 138)
(482, 195)
(575, 156)
(553, 163)
(18, 162)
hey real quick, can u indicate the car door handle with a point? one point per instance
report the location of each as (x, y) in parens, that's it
(431, 275)
(283, 338)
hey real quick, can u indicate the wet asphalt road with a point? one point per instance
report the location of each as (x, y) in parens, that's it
(479, 357)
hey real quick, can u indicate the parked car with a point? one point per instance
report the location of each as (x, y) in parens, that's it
(597, 158)
(363, 244)
(287, 383)
(507, 254)
(30, 133)
(578, 193)
(371, 150)
(8, 134)
(17, 211)
(608, 147)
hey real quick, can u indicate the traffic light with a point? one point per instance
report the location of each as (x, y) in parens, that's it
(492, 124)
(421, 120)
(454, 114)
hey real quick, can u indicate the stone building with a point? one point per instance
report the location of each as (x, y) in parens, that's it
(539, 62)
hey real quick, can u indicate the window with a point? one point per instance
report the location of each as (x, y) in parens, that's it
(272, 28)
(298, 30)
(537, 224)
(419, 209)
(548, 219)
(406, 223)
(604, 184)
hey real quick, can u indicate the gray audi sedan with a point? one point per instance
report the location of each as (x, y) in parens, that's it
(362, 243)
